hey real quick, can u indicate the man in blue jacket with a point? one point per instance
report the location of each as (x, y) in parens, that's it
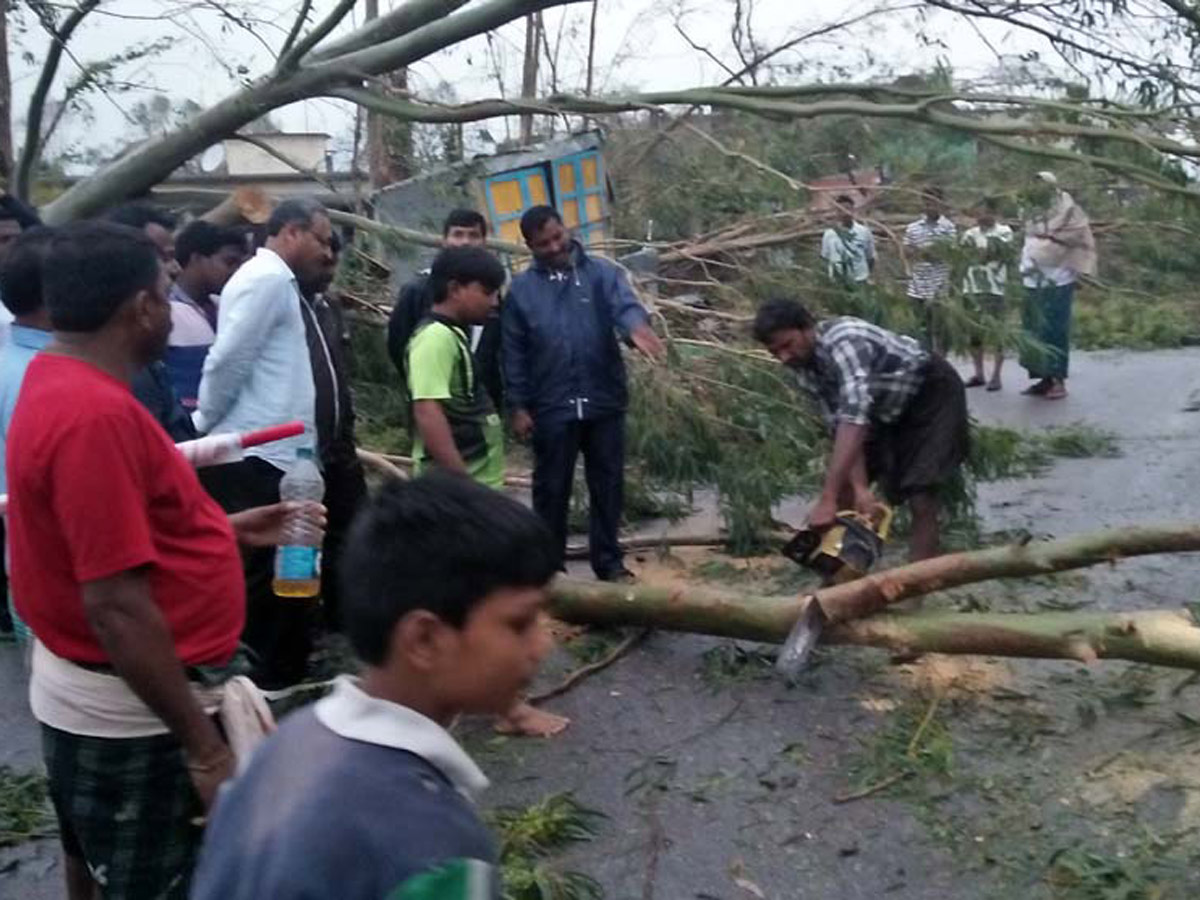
(565, 379)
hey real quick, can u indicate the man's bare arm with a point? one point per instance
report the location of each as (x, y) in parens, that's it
(135, 637)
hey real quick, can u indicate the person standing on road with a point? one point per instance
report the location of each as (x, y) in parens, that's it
(21, 291)
(457, 428)
(257, 374)
(462, 228)
(848, 247)
(126, 572)
(928, 242)
(345, 483)
(15, 218)
(1059, 247)
(898, 414)
(989, 244)
(565, 378)
(152, 386)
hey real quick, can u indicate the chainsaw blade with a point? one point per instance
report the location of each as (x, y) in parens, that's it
(799, 644)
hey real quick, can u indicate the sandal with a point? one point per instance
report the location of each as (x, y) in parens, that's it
(974, 381)
(1057, 391)
(1038, 389)
(994, 385)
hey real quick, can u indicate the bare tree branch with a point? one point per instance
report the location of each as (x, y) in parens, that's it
(934, 109)
(59, 35)
(288, 161)
(700, 48)
(240, 22)
(297, 27)
(148, 164)
(404, 18)
(291, 58)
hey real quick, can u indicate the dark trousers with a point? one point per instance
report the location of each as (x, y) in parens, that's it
(556, 446)
(345, 492)
(277, 628)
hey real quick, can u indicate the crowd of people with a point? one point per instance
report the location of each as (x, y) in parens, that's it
(143, 585)
(1058, 249)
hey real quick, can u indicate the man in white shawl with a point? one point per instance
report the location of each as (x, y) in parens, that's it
(1059, 248)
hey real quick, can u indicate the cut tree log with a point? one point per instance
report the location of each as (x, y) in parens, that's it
(1162, 637)
(867, 595)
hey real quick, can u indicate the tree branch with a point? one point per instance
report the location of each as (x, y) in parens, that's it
(869, 594)
(147, 165)
(932, 109)
(266, 148)
(290, 58)
(412, 236)
(297, 27)
(1009, 14)
(433, 36)
(404, 18)
(1161, 637)
(59, 36)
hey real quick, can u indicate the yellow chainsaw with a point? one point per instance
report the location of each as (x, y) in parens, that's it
(846, 550)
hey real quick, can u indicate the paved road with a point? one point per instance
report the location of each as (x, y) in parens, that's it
(725, 791)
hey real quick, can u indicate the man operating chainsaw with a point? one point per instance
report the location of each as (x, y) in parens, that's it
(898, 414)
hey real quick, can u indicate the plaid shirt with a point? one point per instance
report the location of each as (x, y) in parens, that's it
(861, 374)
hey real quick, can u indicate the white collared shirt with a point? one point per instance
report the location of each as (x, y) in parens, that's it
(258, 371)
(355, 715)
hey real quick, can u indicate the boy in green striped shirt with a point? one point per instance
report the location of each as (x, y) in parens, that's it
(456, 424)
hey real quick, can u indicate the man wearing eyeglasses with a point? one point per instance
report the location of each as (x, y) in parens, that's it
(257, 374)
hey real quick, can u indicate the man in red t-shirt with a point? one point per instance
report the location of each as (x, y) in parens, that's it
(127, 573)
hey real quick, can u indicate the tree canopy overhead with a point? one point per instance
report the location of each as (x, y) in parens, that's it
(1110, 83)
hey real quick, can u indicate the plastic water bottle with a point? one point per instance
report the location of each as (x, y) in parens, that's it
(298, 557)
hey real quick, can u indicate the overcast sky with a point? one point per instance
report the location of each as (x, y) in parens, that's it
(638, 46)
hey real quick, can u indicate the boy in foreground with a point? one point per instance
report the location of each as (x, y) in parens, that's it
(366, 795)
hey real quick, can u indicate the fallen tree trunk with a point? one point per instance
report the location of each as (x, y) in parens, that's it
(1162, 637)
(870, 594)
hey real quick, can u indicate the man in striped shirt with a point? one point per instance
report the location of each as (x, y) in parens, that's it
(897, 413)
(926, 241)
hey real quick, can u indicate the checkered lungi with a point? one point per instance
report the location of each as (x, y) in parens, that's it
(127, 808)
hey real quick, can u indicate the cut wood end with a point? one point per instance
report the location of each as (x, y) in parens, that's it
(1082, 651)
(1123, 627)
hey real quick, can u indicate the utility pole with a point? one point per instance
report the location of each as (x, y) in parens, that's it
(529, 75)
(389, 141)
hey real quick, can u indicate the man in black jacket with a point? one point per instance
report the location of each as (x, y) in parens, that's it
(565, 379)
(345, 486)
(462, 228)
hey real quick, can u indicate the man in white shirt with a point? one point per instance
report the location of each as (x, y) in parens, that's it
(926, 241)
(848, 247)
(989, 247)
(257, 373)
